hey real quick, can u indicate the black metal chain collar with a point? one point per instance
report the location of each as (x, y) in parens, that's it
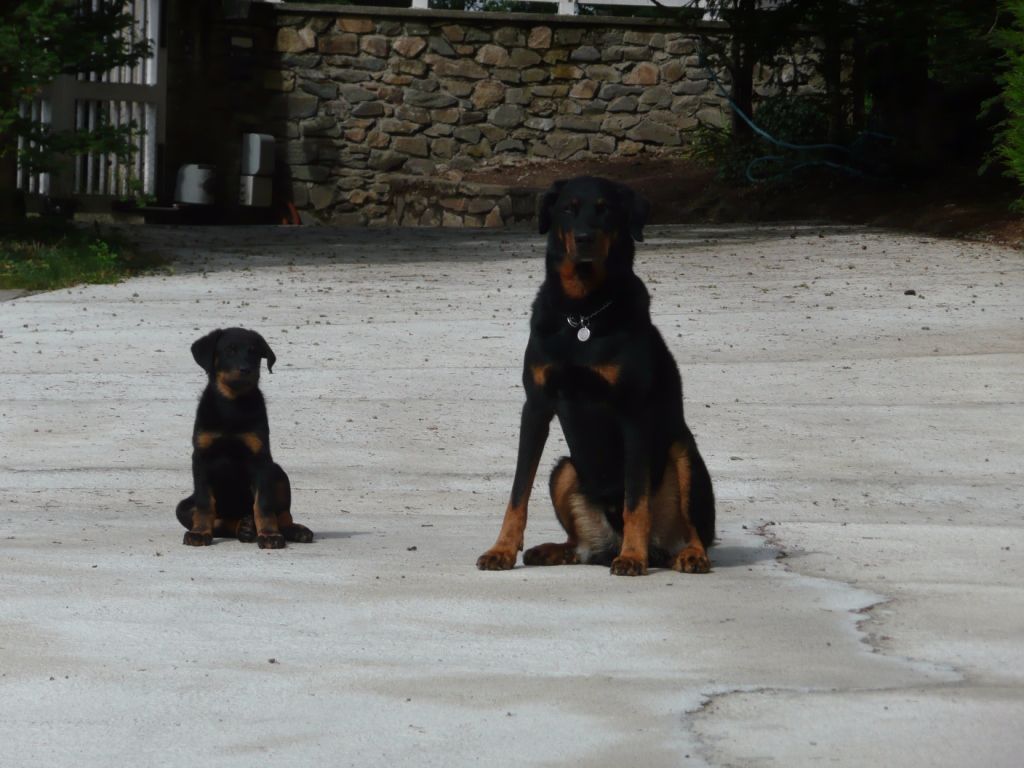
(580, 322)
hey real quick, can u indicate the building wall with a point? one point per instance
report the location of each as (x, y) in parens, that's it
(379, 113)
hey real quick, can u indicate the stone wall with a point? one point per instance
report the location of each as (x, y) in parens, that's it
(380, 113)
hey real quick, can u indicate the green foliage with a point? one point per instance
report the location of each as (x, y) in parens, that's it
(41, 39)
(714, 147)
(949, 36)
(797, 119)
(1010, 137)
(42, 255)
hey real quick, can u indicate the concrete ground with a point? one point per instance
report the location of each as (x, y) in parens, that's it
(866, 605)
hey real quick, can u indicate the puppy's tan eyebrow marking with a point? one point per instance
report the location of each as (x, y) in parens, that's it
(205, 439)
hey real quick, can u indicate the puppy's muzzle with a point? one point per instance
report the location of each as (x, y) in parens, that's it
(239, 381)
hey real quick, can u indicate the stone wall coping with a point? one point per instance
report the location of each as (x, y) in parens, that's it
(403, 182)
(489, 17)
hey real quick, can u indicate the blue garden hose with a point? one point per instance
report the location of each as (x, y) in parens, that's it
(786, 144)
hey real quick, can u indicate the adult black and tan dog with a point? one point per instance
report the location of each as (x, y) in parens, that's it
(239, 491)
(634, 490)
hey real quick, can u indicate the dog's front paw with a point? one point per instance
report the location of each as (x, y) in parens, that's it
(497, 560)
(193, 539)
(692, 560)
(628, 565)
(270, 541)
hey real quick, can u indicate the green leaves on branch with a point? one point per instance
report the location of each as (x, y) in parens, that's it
(42, 39)
(1009, 148)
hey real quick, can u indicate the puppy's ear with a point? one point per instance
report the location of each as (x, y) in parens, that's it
(204, 350)
(637, 210)
(544, 207)
(266, 351)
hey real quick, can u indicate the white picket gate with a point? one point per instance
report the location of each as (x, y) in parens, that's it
(122, 96)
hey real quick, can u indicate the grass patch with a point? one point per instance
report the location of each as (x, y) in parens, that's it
(41, 254)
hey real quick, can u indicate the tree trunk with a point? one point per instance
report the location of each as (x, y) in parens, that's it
(742, 92)
(833, 73)
(12, 201)
(857, 88)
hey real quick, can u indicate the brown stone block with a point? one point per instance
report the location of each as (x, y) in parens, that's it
(492, 55)
(375, 45)
(488, 93)
(643, 73)
(584, 89)
(540, 38)
(409, 47)
(360, 25)
(291, 40)
(454, 33)
(411, 145)
(346, 43)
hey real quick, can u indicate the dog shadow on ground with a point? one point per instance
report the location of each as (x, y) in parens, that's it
(321, 535)
(733, 556)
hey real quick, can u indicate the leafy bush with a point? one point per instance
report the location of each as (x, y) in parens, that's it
(1010, 137)
(788, 118)
(713, 147)
(796, 119)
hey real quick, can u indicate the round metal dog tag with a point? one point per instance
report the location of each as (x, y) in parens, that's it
(583, 333)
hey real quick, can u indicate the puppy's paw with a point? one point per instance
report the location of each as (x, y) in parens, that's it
(270, 541)
(692, 560)
(497, 560)
(193, 539)
(299, 533)
(246, 530)
(628, 565)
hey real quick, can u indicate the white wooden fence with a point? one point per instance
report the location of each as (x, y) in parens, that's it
(121, 97)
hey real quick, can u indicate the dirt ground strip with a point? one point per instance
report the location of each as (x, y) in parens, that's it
(857, 395)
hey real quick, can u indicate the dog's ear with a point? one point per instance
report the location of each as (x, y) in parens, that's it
(266, 351)
(544, 207)
(637, 210)
(204, 350)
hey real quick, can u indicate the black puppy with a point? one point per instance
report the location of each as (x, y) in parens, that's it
(238, 489)
(634, 490)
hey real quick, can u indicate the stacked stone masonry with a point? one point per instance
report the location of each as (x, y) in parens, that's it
(379, 116)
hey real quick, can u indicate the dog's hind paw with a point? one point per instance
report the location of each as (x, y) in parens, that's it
(246, 530)
(299, 533)
(193, 539)
(551, 554)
